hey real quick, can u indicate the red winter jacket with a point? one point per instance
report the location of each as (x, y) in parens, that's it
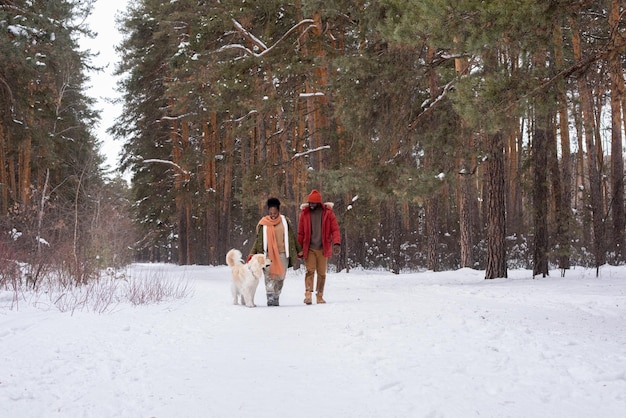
(330, 229)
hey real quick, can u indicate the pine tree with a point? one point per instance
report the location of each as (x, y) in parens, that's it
(50, 160)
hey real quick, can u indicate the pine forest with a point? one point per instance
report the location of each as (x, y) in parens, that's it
(447, 133)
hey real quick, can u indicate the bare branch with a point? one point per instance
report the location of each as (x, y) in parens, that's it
(8, 89)
(254, 40)
(578, 67)
(173, 164)
(179, 117)
(302, 154)
(429, 105)
(239, 119)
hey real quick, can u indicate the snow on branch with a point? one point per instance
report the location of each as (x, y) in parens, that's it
(239, 119)
(168, 162)
(250, 36)
(429, 105)
(302, 154)
(178, 117)
(258, 43)
(319, 93)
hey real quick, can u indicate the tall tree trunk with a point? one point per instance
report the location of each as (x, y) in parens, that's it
(318, 123)
(617, 158)
(561, 208)
(299, 128)
(466, 195)
(298, 164)
(565, 217)
(432, 202)
(595, 186)
(465, 192)
(25, 151)
(182, 198)
(540, 198)
(496, 213)
(24, 170)
(4, 173)
(188, 230)
(581, 201)
(513, 159)
(432, 224)
(211, 149)
(225, 212)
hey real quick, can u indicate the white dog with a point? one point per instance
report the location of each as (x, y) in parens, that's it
(245, 276)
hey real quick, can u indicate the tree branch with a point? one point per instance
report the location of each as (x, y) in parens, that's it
(428, 106)
(258, 43)
(302, 154)
(173, 164)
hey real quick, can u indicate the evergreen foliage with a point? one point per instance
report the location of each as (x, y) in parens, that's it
(51, 184)
(441, 129)
(411, 115)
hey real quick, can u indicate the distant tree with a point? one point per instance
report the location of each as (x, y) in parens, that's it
(50, 159)
(443, 117)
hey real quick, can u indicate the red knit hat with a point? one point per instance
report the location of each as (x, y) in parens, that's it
(315, 197)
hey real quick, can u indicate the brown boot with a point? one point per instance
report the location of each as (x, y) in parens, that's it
(308, 285)
(321, 281)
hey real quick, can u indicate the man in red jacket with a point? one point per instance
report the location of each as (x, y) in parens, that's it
(318, 233)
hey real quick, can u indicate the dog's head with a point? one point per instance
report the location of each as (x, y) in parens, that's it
(260, 261)
(267, 263)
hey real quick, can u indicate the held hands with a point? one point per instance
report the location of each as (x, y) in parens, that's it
(300, 254)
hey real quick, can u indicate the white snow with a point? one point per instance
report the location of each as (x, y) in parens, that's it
(447, 344)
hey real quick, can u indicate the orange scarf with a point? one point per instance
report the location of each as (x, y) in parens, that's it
(276, 268)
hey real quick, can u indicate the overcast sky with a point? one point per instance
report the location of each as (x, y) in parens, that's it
(103, 84)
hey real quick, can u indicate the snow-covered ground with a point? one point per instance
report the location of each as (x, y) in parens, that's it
(425, 344)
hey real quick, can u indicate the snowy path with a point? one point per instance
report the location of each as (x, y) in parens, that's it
(421, 345)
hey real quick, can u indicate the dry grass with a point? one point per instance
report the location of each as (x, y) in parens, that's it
(100, 295)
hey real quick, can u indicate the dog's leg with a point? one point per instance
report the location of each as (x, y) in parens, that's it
(233, 290)
(249, 299)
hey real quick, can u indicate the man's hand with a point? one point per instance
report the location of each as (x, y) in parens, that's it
(336, 249)
(300, 254)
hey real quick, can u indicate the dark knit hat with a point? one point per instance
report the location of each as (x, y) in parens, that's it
(315, 197)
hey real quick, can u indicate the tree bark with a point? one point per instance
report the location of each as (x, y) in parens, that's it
(211, 147)
(4, 174)
(540, 200)
(466, 195)
(496, 215)
(592, 143)
(24, 170)
(617, 158)
(565, 217)
(432, 202)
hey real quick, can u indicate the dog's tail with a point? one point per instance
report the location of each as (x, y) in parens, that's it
(233, 257)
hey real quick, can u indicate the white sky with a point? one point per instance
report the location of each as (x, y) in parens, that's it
(103, 84)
